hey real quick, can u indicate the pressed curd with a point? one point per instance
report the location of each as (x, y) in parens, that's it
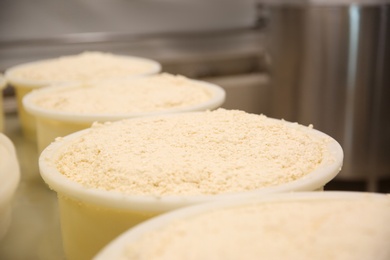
(61, 110)
(160, 92)
(306, 225)
(115, 175)
(85, 66)
(193, 154)
(81, 67)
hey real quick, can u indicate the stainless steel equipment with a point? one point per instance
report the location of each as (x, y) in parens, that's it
(330, 64)
(197, 39)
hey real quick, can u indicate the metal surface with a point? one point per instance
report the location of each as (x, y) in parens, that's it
(233, 58)
(239, 50)
(21, 19)
(329, 68)
(224, 43)
(190, 34)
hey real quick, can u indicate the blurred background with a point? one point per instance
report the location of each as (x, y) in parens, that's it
(316, 62)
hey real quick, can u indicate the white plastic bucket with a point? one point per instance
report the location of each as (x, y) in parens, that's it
(24, 85)
(52, 123)
(9, 180)
(312, 230)
(90, 218)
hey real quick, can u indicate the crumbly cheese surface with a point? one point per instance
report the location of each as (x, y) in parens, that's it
(194, 153)
(145, 94)
(82, 67)
(354, 229)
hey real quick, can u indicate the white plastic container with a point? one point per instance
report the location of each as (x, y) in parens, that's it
(9, 180)
(2, 86)
(90, 217)
(301, 225)
(126, 100)
(67, 69)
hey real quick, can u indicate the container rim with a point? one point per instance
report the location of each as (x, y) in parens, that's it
(326, 171)
(114, 249)
(25, 83)
(218, 98)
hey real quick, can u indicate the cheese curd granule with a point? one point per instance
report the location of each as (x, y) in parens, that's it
(199, 153)
(83, 66)
(145, 94)
(338, 229)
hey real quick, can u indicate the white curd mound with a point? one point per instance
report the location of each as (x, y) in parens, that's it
(198, 153)
(145, 94)
(81, 67)
(338, 229)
